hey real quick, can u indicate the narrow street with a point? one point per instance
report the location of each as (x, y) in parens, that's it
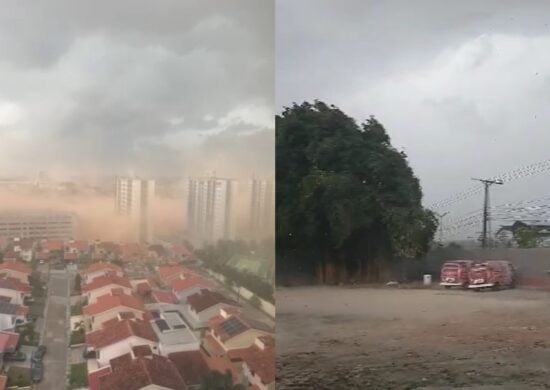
(54, 335)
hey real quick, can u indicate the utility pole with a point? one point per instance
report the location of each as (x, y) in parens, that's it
(440, 217)
(486, 184)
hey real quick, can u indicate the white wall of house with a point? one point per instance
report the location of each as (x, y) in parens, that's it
(27, 255)
(122, 347)
(94, 294)
(96, 321)
(7, 321)
(16, 296)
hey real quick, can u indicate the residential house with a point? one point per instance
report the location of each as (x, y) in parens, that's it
(180, 252)
(192, 284)
(105, 250)
(170, 272)
(24, 247)
(192, 366)
(79, 248)
(52, 248)
(160, 297)
(233, 330)
(16, 270)
(109, 307)
(99, 269)
(150, 372)
(12, 290)
(8, 342)
(119, 338)
(132, 252)
(11, 315)
(204, 305)
(106, 284)
(258, 363)
(172, 331)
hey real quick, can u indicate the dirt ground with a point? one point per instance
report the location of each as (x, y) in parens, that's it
(383, 338)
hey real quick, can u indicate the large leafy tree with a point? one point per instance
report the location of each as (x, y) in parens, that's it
(215, 380)
(345, 196)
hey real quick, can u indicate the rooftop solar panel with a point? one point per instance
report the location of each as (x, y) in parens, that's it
(162, 325)
(233, 326)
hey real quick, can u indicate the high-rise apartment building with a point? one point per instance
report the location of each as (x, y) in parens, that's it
(134, 198)
(211, 208)
(260, 207)
(37, 224)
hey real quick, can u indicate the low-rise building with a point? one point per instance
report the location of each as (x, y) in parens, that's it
(192, 366)
(192, 284)
(258, 363)
(167, 273)
(12, 290)
(16, 270)
(172, 331)
(109, 307)
(148, 372)
(108, 283)
(100, 268)
(204, 305)
(12, 315)
(119, 338)
(233, 330)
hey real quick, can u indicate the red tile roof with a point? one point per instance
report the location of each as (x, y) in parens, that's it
(164, 296)
(179, 285)
(261, 361)
(8, 341)
(105, 280)
(11, 255)
(101, 266)
(79, 245)
(93, 377)
(121, 331)
(181, 250)
(108, 302)
(14, 284)
(143, 287)
(142, 350)
(168, 271)
(206, 299)
(191, 366)
(52, 245)
(16, 266)
(142, 372)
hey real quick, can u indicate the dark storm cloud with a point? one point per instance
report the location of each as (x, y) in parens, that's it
(128, 85)
(461, 86)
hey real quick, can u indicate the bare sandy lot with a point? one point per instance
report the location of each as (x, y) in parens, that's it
(367, 338)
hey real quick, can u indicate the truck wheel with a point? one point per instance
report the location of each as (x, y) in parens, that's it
(496, 287)
(447, 287)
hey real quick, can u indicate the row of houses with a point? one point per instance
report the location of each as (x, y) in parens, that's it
(43, 250)
(169, 331)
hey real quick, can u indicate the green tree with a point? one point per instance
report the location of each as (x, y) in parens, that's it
(77, 283)
(526, 237)
(215, 380)
(346, 199)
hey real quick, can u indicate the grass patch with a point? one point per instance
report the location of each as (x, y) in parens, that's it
(79, 376)
(19, 376)
(27, 335)
(78, 336)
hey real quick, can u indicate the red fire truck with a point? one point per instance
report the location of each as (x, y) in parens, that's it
(456, 273)
(492, 274)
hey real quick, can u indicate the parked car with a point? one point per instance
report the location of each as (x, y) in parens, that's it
(456, 273)
(492, 274)
(37, 371)
(16, 356)
(39, 353)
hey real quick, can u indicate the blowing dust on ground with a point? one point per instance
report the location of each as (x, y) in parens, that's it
(369, 338)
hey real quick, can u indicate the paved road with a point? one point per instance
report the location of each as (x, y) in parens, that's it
(55, 333)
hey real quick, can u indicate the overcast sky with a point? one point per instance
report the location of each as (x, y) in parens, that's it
(462, 87)
(171, 87)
